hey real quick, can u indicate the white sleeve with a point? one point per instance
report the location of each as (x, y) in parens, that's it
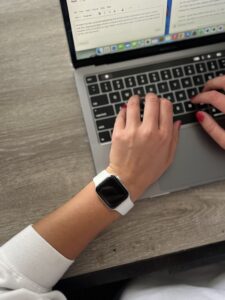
(29, 266)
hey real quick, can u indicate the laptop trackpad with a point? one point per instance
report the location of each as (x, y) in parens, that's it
(198, 160)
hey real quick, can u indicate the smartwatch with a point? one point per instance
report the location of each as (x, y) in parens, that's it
(113, 193)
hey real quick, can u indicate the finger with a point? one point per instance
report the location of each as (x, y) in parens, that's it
(212, 128)
(133, 112)
(215, 84)
(166, 116)
(151, 112)
(212, 97)
(121, 118)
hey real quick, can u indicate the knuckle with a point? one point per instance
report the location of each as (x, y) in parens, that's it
(167, 104)
(216, 97)
(163, 136)
(147, 132)
(131, 134)
(133, 100)
(152, 96)
(117, 136)
(213, 94)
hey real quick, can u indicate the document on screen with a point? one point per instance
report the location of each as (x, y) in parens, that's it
(192, 14)
(97, 23)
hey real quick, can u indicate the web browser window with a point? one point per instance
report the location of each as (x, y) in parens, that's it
(102, 27)
(193, 14)
(103, 22)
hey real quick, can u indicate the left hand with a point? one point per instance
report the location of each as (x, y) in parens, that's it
(143, 150)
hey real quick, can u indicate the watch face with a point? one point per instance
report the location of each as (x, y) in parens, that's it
(112, 192)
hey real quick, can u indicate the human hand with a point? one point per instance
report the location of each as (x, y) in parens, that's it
(142, 151)
(209, 95)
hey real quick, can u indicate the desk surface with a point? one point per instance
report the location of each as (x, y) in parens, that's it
(45, 156)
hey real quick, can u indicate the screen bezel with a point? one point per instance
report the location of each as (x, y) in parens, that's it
(133, 54)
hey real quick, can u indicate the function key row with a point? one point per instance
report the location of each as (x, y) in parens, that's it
(167, 74)
(143, 79)
(163, 87)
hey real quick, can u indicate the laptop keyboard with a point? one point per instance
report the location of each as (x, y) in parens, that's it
(178, 81)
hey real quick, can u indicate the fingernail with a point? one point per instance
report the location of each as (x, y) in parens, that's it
(200, 116)
(179, 124)
(124, 106)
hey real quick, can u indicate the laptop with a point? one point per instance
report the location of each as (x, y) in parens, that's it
(169, 47)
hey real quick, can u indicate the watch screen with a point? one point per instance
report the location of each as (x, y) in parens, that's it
(112, 192)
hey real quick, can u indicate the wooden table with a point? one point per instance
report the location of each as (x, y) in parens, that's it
(45, 156)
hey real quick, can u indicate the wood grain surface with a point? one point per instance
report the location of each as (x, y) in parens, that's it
(45, 156)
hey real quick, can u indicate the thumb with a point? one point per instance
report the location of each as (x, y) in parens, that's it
(212, 128)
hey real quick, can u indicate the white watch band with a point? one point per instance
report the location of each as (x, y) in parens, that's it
(124, 207)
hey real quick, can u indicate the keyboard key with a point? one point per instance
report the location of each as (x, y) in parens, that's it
(222, 63)
(130, 82)
(118, 107)
(220, 73)
(200, 88)
(99, 100)
(115, 97)
(166, 75)
(175, 85)
(189, 107)
(106, 86)
(169, 96)
(186, 118)
(93, 89)
(178, 108)
(104, 137)
(186, 82)
(215, 112)
(201, 68)
(151, 89)
(139, 91)
(142, 79)
(126, 94)
(209, 76)
(178, 72)
(202, 106)
(104, 77)
(181, 96)
(189, 70)
(91, 79)
(118, 84)
(154, 77)
(212, 65)
(192, 92)
(163, 87)
(105, 124)
(103, 112)
(198, 80)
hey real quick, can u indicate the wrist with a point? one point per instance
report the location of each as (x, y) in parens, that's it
(131, 186)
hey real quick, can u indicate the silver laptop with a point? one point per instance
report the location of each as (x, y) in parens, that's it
(169, 47)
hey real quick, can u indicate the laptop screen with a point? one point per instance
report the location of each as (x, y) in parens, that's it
(103, 27)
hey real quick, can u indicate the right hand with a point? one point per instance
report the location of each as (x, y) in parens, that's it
(209, 95)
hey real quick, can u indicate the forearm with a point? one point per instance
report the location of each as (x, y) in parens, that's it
(73, 226)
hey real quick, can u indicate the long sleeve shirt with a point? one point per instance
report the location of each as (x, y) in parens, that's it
(30, 267)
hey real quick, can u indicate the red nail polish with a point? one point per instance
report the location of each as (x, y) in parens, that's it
(200, 116)
(124, 106)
